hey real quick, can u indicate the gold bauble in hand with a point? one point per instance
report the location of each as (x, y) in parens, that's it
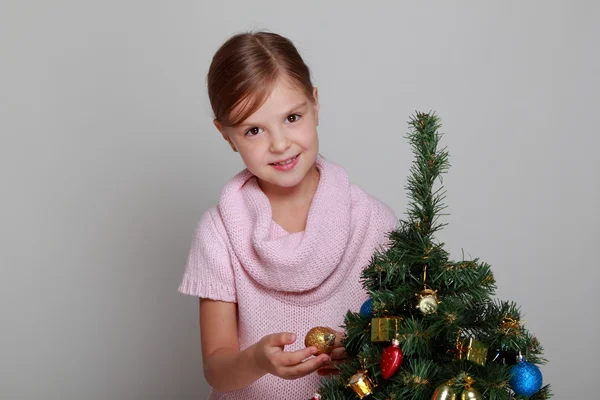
(322, 338)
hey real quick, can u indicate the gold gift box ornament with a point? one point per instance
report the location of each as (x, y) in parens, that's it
(384, 329)
(472, 350)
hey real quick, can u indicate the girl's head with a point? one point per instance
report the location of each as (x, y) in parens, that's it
(265, 106)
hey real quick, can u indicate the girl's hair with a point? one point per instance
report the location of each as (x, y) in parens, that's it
(245, 69)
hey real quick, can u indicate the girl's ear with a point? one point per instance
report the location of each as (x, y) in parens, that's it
(219, 126)
(224, 134)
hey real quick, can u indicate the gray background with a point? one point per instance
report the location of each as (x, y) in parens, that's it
(108, 158)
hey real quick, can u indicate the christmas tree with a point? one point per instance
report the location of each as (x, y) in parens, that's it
(431, 328)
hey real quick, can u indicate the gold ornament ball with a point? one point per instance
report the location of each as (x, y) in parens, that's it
(470, 394)
(428, 304)
(322, 338)
(444, 392)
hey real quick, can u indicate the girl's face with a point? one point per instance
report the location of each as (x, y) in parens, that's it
(278, 143)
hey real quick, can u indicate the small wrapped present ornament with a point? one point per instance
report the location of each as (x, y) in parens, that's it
(471, 349)
(384, 329)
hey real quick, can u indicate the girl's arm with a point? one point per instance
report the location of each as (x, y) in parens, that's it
(226, 368)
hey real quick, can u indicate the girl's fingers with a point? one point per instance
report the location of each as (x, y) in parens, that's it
(281, 339)
(291, 358)
(338, 353)
(326, 371)
(333, 364)
(339, 336)
(309, 366)
(330, 368)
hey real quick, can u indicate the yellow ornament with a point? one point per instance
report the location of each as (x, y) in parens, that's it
(361, 383)
(322, 338)
(384, 329)
(444, 392)
(471, 349)
(470, 394)
(428, 301)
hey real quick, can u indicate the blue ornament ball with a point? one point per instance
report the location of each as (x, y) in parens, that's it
(526, 378)
(367, 308)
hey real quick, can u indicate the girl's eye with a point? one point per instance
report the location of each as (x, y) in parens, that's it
(293, 118)
(253, 131)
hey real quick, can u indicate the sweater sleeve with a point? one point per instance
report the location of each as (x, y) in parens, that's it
(209, 272)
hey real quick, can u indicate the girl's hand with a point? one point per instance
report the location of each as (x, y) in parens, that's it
(271, 357)
(338, 355)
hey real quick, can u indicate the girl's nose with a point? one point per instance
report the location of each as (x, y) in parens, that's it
(279, 141)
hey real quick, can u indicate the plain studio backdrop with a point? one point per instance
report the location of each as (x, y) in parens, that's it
(108, 158)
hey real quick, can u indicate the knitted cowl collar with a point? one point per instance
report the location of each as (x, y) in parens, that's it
(316, 259)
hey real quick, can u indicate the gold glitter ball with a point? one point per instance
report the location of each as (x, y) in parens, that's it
(322, 338)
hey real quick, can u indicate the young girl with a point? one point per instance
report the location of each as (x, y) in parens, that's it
(283, 250)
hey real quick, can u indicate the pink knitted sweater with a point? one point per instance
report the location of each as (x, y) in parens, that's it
(285, 282)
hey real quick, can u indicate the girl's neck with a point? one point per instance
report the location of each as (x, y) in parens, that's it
(290, 206)
(301, 193)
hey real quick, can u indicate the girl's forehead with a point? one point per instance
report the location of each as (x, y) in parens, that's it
(278, 100)
(282, 96)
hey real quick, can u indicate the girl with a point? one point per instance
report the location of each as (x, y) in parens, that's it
(283, 250)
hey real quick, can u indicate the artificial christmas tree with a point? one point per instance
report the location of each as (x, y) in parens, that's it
(431, 325)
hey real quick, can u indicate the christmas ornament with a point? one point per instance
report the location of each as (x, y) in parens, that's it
(391, 359)
(367, 308)
(470, 394)
(444, 392)
(471, 349)
(322, 338)
(384, 329)
(361, 383)
(526, 378)
(316, 396)
(510, 326)
(428, 301)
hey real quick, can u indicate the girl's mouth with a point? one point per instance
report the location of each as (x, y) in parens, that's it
(286, 165)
